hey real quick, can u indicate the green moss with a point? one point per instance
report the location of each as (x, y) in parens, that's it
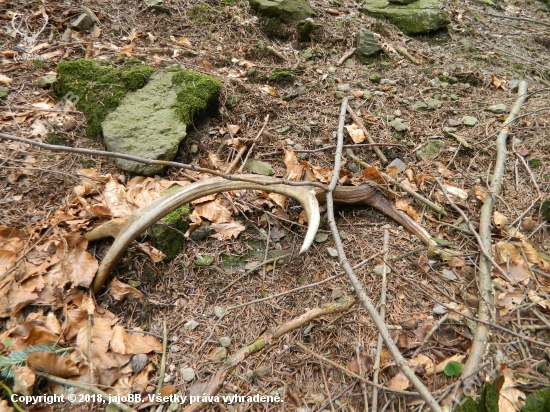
(534, 162)
(195, 94)
(86, 163)
(284, 75)
(56, 139)
(538, 401)
(99, 87)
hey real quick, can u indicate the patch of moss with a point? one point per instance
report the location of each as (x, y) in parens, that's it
(98, 88)
(534, 162)
(56, 139)
(538, 401)
(284, 75)
(86, 163)
(195, 94)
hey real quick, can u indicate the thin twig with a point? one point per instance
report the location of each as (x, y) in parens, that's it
(163, 358)
(323, 149)
(376, 367)
(518, 19)
(91, 152)
(434, 328)
(327, 388)
(363, 298)
(359, 123)
(363, 384)
(486, 301)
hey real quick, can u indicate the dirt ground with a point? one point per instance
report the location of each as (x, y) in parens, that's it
(482, 49)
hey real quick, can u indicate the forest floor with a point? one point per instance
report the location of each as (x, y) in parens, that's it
(266, 71)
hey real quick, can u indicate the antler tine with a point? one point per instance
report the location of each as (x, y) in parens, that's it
(126, 229)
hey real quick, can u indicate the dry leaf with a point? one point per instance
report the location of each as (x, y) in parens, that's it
(510, 398)
(101, 337)
(47, 362)
(456, 262)
(226, 231)
(408, 209)
(267, 89)
(118, 341)
(500, 220)
(456, 193)
(120, 290)
(497, 83)
(392, 171)
(23, 380)
(356, 133)
(399, 382)
(155, 254)
(441, 366)
(366, 365)
(233, 129)
(372, 174)
(90, 50)
(480, 193)
(423, 263)
(5, 79)
(213, 211)
(181, 41)
(294, 170)
(140, 343)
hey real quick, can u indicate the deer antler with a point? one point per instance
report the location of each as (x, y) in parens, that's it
(126, 229)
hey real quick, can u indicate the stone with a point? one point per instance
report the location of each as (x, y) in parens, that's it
(399, 164)
(331, 70)
(434, 104)
(306, 27)
(152, 121)
(375, 78)
(448, 274)
(219, 311)
(204, 261)
(139, 362)
(283, 130)
(339, 94)
(225, 341)
(352, 167)
(187, 374)
(194, 149)
(259, 167)
(82, 23)
(422, 16)
(168, 236)
(336, 293)
(367, 45)
(286, 10)
(262, 370)
(420, 106)
(498, 108)
(469, 120)
(218, 354)
(439, 310)
(344, 87)
(201, 233)
(432, 149)
(46, 81)
(378, 269)
(4, 91)
(321, 237)
(191, 325)
(318, 142)
(399, 126)
(332, 252)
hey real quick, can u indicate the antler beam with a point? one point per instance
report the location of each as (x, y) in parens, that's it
(127, 229)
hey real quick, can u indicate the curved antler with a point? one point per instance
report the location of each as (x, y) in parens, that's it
(126, 229)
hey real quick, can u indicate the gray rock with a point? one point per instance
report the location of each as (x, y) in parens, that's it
(378, 269)
(401, 166)
(448, 274)
(201, 233)
(187, 374)
(219, 311)
(344, 87)
(439, 310)
(336, 293)
(259, 167)
(225, 341)
(469, 120)
(367, 45)
(218, 354)
(82, 23)
(332, 252)
(318, 142)
(399, 126)
(421, 106)
(375, 78)
(434, 104)
(338, 94)
(283, 130)
(191, 325)
(46, 81)
(352, 167)
(262, 370)
(498, 108)
(138, 362)
(204, 261)
(389, 82)
(286, 10)
(321, 237)
(432, 149)
(145, 124)
(421, 16)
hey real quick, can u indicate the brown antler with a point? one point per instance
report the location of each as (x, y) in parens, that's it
(126, 229)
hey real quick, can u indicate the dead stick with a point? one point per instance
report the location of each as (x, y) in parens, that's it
(163, 359)
(346, 56)
(267, 339)
(359, 123)
(376, 367)
(361, 294)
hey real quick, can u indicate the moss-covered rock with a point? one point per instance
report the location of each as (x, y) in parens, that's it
(286, 10)
(421, 16)
(98, 88)
(168, 234)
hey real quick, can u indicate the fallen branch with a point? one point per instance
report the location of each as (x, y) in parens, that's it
(266, 340)
(362, 296)
(163, 358)
(403, 52)
(346, 56)
(486, 302)
(359, 123)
